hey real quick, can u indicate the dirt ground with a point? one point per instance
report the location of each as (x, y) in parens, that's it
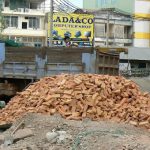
(81, 135)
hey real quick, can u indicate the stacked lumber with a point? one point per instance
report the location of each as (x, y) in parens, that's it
(82, 96)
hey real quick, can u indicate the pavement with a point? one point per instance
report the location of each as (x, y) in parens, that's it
(144, 83)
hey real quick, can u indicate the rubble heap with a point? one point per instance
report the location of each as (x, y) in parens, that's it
(82, 96)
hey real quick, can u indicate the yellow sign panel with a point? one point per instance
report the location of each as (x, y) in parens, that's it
(78, 27)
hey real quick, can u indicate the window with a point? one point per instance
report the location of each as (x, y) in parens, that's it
(24, 39)
(38, 39)
(33, 5)
(142, 65)
(24, 25)
(99, 30)
(14, 21)
(30, 39)
(12, 38)
(34, 22)
(11, 21)
(128, 32)
(35, 39)
(18, 39)
(119, 31)
(7, 2)
(37, 45)
(7, 21)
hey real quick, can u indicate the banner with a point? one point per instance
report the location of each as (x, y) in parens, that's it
(78, 27)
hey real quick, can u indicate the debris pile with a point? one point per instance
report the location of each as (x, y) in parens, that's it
(82, 96)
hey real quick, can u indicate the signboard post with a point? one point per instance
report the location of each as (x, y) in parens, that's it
(51, 24)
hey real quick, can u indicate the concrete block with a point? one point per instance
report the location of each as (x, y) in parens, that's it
(22, 133)
(2, 139)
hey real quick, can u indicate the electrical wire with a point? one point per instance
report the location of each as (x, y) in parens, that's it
(121, 13)
(69, 3)
(59, 8)
(63, 6)
(62, 2)
(66, 6)
(133, 16)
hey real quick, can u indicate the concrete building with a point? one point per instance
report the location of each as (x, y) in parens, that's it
(25, 22)
(142, 25)
(139, 9)
(135, 65)
(115, 32)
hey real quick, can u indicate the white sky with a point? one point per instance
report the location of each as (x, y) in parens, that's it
(78, 3)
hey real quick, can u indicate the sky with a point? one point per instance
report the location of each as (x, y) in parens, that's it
(78, 3)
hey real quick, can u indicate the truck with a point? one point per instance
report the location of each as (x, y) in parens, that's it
(21, 66)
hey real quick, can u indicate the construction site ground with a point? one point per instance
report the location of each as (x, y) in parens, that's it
(81, 135)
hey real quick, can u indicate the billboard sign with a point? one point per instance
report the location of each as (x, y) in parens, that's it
(79, 28)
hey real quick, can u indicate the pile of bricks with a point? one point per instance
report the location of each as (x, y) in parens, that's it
(82, 96)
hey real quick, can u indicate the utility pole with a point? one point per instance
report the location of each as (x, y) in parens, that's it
(1, 18)
(107, 34)
(51, 23)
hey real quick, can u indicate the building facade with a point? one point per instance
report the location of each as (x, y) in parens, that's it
(117, 32)
(24, 22)
(142, 23)
(127, 5)
(139, 9)
(135, 65)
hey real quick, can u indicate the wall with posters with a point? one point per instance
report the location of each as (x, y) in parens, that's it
(78, 27)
